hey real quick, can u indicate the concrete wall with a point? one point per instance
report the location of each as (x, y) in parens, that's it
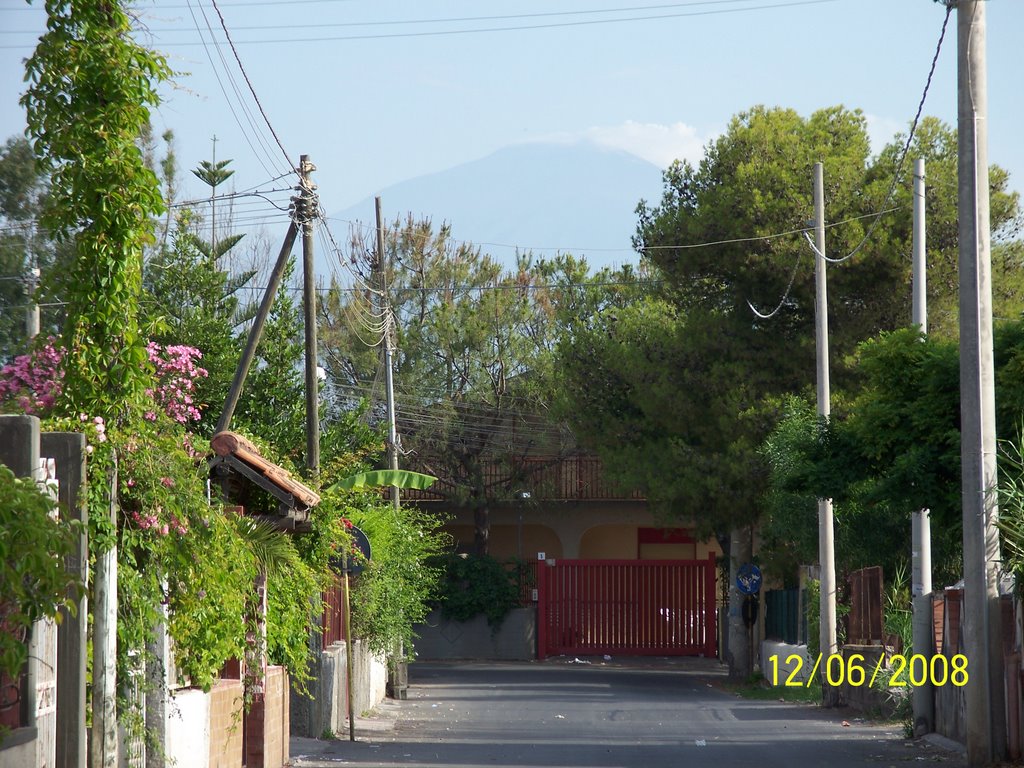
(516, 639)
(188, 727)
(801, 670)
(330, 711)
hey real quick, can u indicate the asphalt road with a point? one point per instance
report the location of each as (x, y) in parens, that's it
(632, 713)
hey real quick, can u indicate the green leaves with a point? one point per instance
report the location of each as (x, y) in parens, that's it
(33, 581)
(402, 478)
(90, 86)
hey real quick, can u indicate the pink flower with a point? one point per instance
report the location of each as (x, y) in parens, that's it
(167, 482)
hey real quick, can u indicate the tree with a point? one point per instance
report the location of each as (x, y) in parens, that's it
(892, 449)
(708, 386)
(190, 298)
(471, 340)
(23, 246)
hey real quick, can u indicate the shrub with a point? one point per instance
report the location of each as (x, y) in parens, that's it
(473, 585)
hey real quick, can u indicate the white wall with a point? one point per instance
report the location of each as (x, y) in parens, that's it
(188, 728)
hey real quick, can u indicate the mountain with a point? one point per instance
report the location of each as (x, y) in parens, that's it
(575, 198)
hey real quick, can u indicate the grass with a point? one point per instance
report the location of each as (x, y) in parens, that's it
(757, 688)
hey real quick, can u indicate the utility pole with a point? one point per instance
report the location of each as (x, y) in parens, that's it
(388, 353)
(213, 205)
(985, 709)
(921, 534)
(32, 313)
(256, 330)
(398, 669)
(307, 203)
(826, 535)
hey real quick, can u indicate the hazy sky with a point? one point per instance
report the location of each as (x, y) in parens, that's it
(378, 91)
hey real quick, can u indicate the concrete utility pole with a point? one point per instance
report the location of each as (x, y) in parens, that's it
(985, 709)
(921, 533)
(307, 202)
(388, 353)
(826, 535)
(32, 313)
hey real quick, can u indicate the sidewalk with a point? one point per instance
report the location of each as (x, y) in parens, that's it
(372, 729)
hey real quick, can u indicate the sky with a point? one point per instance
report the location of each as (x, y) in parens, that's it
(380, 91)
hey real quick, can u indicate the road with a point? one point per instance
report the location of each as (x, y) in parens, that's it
(635, 713)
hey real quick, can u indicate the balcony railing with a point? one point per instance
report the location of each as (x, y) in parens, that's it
(577, 478)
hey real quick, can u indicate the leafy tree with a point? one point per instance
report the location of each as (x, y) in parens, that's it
(272, 404)
(893, 449)
(191, 299)
(23, 246)
(704, 374)
(471, 343)
(33, 580)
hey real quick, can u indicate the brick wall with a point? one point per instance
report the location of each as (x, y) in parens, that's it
(276, 729)
(226, 724)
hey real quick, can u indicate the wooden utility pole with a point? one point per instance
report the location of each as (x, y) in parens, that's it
(307, 205)
(826, 534)
(256, 330)
(985, 704)
(921, 535)
(213, 204)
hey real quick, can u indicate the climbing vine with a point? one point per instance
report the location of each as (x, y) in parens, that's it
(90, 89)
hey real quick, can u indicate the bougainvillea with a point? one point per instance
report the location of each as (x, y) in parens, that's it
(33, 383)
(176, 374)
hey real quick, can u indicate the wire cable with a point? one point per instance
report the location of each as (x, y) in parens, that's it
(906, 146)
(248, 82)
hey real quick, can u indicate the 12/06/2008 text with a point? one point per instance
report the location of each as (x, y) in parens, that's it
(916, 670)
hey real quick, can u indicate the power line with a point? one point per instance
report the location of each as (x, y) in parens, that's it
(248, 82)
(906, 146)
(517, 28)
(234, 87)
(457, 19)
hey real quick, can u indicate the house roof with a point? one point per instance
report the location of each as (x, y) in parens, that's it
(241, 456)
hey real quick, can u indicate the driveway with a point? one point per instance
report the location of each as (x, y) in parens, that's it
(651, 713)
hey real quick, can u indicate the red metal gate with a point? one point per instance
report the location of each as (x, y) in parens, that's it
(626, 607)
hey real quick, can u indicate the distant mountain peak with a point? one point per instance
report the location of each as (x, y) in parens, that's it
(545, 197)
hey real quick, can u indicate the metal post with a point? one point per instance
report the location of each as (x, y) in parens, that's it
(347, 617)
(920, 283)
(985, 705)
(826, 540)
(921, 536)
